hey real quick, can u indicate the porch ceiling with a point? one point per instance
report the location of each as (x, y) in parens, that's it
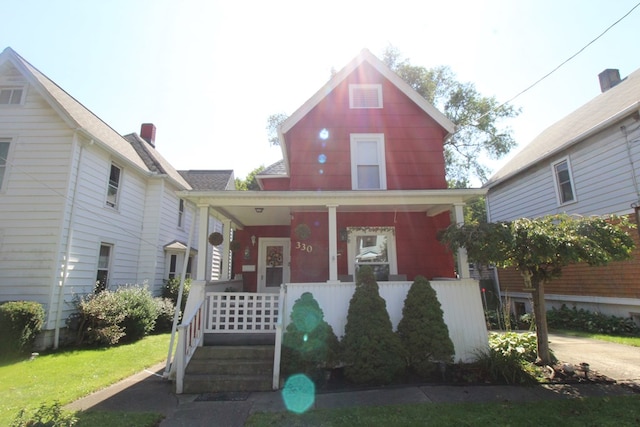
(277, 206)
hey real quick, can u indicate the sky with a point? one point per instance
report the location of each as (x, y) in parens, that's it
(209, 73)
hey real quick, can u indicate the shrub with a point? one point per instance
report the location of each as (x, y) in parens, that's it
(140, 312)
(45, 416)
(587, 321)
(309, 344)
(20, 323)
(372, 352)
(422, 330)
(108, 317)
(166, 311)
(509, 358)
(172, 287)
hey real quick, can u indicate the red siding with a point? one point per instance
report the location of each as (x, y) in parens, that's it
(413, 140)
(276, 184)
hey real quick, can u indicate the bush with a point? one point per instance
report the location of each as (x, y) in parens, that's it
(309, 344)
(587, 321)
(45, 416)
(509, 358)
(422, 330)
(172, 287)
(372, 352)
(109, 317)
(166, 311)
(20, 323)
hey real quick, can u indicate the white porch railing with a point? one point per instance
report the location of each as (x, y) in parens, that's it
(241, 312)
(190, 336)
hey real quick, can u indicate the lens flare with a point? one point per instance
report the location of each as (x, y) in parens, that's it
(322, 158)
(299, 393)
(324, 134)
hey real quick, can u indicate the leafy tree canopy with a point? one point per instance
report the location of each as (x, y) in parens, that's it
(540, 248)
(477, 118)
(249, 183)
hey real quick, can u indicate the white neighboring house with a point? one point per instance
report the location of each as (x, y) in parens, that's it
(587, 163)
(80, 205)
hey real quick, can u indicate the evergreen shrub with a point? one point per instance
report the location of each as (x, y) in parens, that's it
(422, 330)
(372, 352)
(309, 344)
(20, 323)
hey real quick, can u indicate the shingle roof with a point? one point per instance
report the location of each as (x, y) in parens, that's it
(603, 110)
(214, 180)
(154, 160)
(277, 169)
(79, 115)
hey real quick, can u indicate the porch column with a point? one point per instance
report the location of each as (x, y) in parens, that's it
(203, 242)
(463, 262)
(224, 262)
(333, 244)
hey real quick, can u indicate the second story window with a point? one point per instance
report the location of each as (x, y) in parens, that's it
(365, 96)
(564, 182)
(114, 186)
(4, 154)
(368, 171)
(180, 213)
(11, 95)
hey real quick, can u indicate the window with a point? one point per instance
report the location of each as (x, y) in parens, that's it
(4, 154)
(365, 96)
(368, 170)
(173, 266)
(11, 95)
(114, 185)
(102, 276)
(375, 247)
(564, 182)
(180, 213)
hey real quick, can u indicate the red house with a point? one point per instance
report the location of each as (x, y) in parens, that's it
(362, 181)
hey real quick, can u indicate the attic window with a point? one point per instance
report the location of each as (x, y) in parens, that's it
(11, 95)
(365, 96)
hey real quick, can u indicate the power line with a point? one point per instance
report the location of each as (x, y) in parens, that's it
(561, 64)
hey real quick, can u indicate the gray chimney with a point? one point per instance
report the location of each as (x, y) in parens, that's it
(148, 133)
(608, 79)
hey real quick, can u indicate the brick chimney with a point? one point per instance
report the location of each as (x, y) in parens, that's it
(148, 133)
(608, 79)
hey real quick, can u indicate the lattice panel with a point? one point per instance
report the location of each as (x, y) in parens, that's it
(242, 312)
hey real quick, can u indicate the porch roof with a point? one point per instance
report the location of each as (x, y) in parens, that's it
(277, 206)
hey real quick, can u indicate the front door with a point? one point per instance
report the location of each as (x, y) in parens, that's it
(273, 263)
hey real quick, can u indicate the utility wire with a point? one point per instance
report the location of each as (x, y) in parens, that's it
(561, 64)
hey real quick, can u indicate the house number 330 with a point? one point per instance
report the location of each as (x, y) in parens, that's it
(304, 247)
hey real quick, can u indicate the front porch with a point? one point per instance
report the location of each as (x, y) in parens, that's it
(221, 319)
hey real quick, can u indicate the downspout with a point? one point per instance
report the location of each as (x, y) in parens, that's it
(65, 272)
(176, 314)
(634, 178)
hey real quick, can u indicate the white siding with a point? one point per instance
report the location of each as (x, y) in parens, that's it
(602, 175)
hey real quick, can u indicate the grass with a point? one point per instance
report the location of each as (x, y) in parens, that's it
(68, 375)
(633, 341)
(612, 411)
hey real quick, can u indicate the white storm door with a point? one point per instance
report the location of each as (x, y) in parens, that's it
(273, 263)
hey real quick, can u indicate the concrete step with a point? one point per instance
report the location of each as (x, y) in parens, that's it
(230, 367)
(252, 352)
(213, 383)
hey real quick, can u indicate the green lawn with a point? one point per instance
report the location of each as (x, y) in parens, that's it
(614, 411)
(633, 341)
(68, 375)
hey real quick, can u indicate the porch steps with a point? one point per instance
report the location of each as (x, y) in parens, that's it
(230, 368)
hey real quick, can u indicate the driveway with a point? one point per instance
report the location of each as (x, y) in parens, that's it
(616, 361)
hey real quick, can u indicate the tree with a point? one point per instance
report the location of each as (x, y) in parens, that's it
(249, 183)
(422, 329)
(372, 352)
(540, 248)
(476, 117)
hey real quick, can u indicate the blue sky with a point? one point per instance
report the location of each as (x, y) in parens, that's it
(209, 73)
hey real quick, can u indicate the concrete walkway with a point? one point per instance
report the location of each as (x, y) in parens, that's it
(149, 392)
